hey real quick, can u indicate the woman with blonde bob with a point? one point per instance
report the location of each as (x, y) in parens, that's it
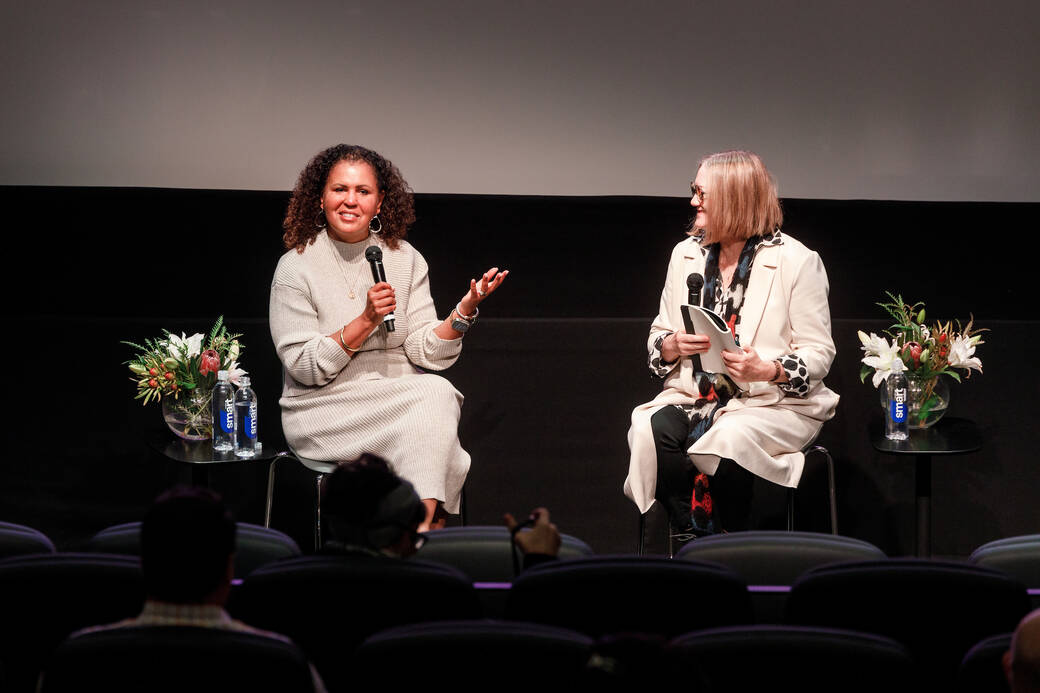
(699, 444)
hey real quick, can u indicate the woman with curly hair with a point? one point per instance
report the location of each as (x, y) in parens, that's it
(354, 381)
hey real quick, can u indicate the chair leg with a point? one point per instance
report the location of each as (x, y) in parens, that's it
(642, 534)
(831, 490)
(462, 507)
(317, 511)
(270, 488)
(790, 509)
(832, 494)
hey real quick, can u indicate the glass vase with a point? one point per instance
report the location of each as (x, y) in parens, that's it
(189, 416)
(929, 399)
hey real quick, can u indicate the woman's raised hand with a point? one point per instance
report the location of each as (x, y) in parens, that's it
(479, 289)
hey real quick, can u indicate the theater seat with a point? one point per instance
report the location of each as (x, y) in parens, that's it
(45, 597)
(254, 545)
(777, 558)
(792, 658)
(600, 595)
(484, 553)
(1019, 557)
(176, 658)
(937, 609)
(16, 540)
(328, 604)
(481, 655)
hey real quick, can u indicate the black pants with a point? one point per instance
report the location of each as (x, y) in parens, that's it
(731, 486)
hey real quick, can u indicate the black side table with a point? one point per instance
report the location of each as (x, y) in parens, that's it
(951, 436)
(200, 455)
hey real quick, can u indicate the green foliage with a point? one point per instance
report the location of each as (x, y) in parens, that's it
(170, 365)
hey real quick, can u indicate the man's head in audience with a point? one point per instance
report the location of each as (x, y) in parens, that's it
(187, 547)
(364, 504)
(1022, 661)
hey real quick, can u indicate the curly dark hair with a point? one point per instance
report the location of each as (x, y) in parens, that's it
(397, 212)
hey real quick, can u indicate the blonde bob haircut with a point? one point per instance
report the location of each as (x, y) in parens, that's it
(740, 197)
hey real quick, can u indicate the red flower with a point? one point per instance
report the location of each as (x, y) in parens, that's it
(210, 362)
(914, 349)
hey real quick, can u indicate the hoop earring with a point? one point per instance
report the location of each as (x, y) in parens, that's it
(320, 216)
(378, 228)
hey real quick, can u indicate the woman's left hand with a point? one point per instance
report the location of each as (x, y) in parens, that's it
(747, 366)
(479, 289)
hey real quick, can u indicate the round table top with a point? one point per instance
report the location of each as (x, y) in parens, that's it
(950, 436)
(201, 451)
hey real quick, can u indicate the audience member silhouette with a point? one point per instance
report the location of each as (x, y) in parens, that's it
(187, 558)
(1022, 661)
(368, 509)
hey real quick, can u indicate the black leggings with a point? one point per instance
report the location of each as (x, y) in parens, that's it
(731, 486)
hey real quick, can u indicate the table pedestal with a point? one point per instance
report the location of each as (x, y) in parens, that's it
(951, 436)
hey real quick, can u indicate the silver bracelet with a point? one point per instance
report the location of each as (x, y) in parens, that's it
(458, 312)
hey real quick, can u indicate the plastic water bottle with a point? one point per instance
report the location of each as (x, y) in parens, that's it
(223, 414)
(245, 420)
(897, 423)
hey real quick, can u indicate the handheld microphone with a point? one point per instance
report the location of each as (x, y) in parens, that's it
(694, 283)
(375, 258)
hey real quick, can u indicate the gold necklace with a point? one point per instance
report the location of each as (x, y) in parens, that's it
(351, 285)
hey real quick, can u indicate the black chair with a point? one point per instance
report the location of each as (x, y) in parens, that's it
(982, 669)
(484, 553)
(938, 610)
(45, 597)
(17, 540)
(770, 560)
(176, 658)
(832, 499)
(328, 604)
(320, 469)
(791, 658)
(613, 594)
(1019, 557)
(254, 545)
(481, 655)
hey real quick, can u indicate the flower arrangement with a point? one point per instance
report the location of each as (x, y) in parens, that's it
(923, 352)
(181, 371)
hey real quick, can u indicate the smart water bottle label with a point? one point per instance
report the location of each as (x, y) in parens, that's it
(897, 406)
(227, 417)
(250, 424)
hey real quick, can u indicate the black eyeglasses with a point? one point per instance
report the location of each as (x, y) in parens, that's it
(697, 191)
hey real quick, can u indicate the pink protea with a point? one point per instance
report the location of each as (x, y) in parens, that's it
(913, 350)
(209, 362)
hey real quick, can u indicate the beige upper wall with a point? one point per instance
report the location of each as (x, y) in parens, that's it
(885, 100)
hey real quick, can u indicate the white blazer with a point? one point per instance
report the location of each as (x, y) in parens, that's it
(785, 311)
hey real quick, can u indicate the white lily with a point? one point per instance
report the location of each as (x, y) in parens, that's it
(872, 344)
(962, 350)
(193, 344)
(234, 373)
(882, 357)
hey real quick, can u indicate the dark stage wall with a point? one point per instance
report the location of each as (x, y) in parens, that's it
(550, 373)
